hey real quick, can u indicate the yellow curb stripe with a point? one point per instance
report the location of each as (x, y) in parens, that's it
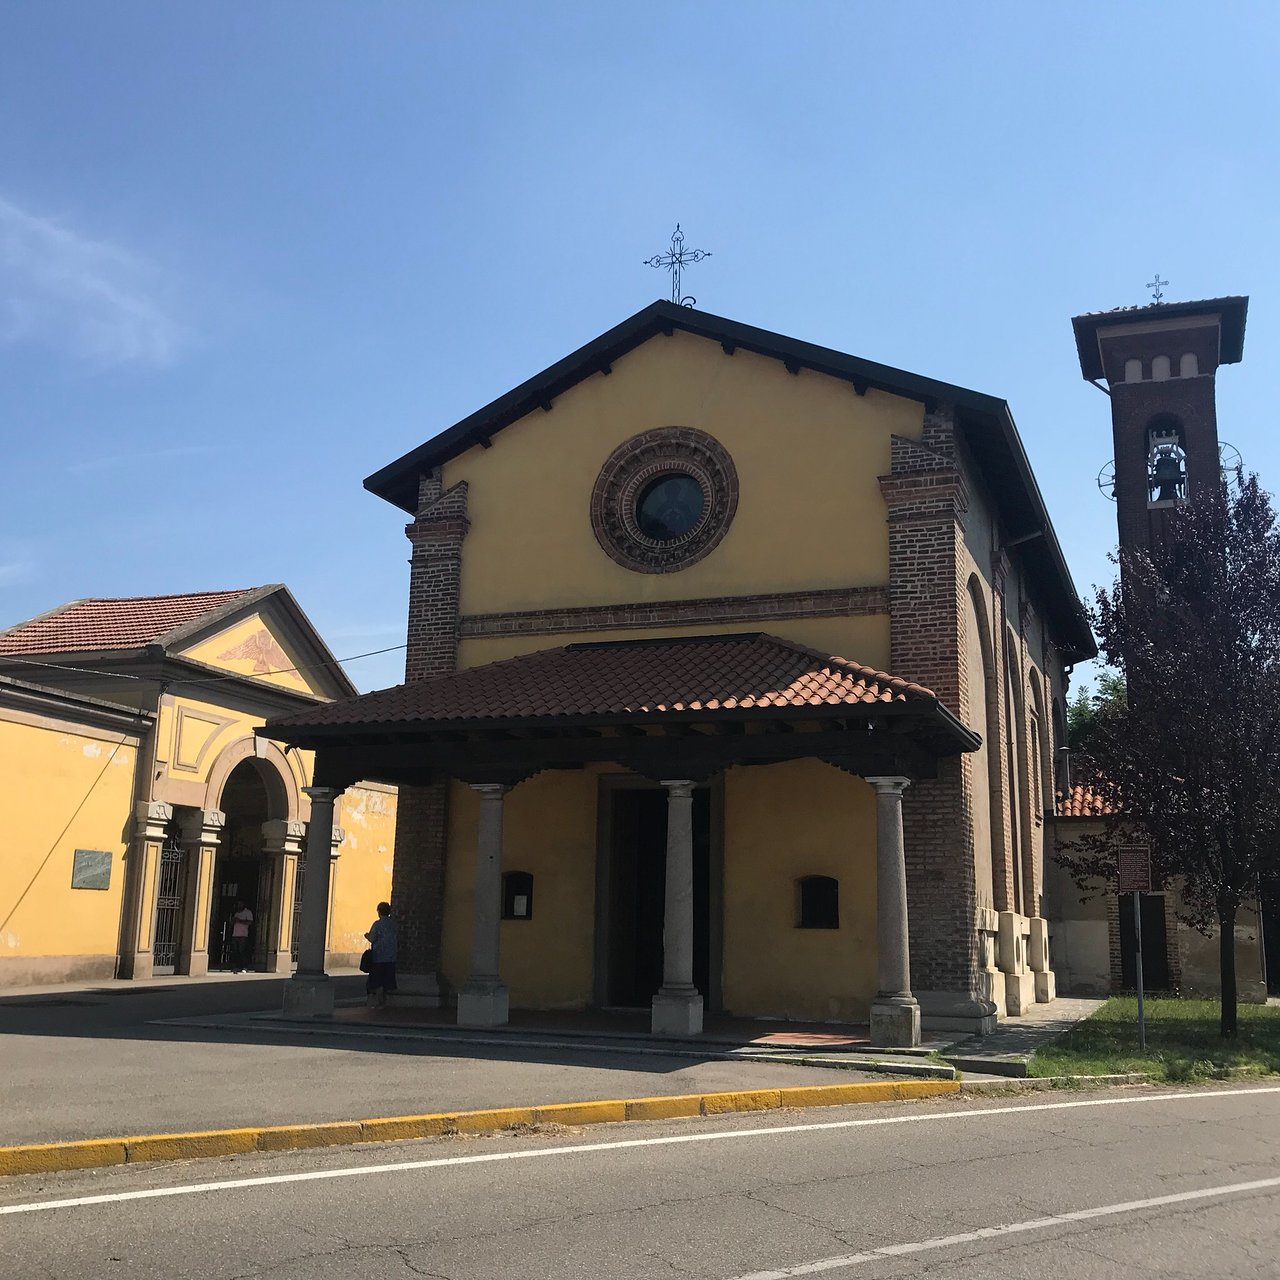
(96, 1153)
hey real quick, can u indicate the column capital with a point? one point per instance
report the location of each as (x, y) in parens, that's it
(202, 826)
(490, 790)
(679, 786)
(323, 795)
(889, 784)
(282, 835)
(152, 817)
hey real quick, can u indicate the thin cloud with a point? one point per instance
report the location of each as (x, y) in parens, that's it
(85, 297)
(112, 461)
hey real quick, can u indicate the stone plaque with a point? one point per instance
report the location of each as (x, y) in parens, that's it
(91, 869)
(1135, 868)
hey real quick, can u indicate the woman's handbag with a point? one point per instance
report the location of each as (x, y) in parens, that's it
(366, 961)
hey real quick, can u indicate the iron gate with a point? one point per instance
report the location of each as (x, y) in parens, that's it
(299, 876)
(170, 895)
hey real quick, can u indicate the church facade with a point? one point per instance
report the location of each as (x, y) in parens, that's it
(735, 679)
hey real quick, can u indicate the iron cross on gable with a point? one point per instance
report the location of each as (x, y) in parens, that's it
(1158, 285)
(674, 260)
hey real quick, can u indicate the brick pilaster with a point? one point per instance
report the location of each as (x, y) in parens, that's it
(926, 498)
(435, 579)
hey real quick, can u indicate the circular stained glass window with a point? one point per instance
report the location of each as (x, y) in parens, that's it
(669, 507)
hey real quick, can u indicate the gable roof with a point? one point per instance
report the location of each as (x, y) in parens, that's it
(135, 627)
(128, 622)
(629, 681)
(987, 422)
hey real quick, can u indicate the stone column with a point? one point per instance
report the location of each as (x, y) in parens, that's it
(282, 847)
(1019, 982)
(309, 994)
(677, 1007)
(483, 1001)
(151, 820)
(201, 831)
(895, 1015)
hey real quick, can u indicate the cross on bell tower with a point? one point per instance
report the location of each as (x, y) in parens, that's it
(1160, 362)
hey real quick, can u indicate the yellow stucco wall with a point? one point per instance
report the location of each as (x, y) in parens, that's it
(61, 789)
(362, 874)
(807, 449)
(783, 822)
(549, 830)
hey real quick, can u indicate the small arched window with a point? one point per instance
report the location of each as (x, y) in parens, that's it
(517, 896)
(1133, 370)
(1160, 368)
(1189, 366)
(819, 902)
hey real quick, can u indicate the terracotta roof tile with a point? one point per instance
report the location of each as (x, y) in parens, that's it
(626, 678)
(127, 623)
(1085, 800)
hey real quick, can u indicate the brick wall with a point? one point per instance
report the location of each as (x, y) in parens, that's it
(435, 577)
(926, 497)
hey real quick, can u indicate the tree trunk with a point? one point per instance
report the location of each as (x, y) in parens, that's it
(1227, 967)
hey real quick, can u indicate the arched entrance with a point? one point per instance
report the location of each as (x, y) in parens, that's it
(241, 875)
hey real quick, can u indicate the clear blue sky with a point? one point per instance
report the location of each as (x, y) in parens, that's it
(250, 253)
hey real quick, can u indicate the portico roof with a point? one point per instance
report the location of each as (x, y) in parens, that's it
(629, 701)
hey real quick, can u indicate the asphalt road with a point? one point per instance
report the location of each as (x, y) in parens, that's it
(1122, 1183)
(92, 1062)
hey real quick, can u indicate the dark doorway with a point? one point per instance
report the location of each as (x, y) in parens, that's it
(239, 873)
(1155, 952)
(637, 852)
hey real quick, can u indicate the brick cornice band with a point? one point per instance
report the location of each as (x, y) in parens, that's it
(834, 602)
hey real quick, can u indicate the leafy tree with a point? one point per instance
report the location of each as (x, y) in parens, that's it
(1083, 710)
(1191, 757)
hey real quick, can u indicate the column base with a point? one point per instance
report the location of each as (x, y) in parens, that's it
(281, 962)
(677, 1013)
(194, 966)
(484, 1004)
(895, 1023)
(1046, 987)
(136, 967)
(1019, 993)
(308, 998)
(417, 991)
(972, 1012)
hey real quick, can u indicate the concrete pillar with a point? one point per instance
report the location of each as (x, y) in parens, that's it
(151, 821)
(895, 1015)
(201, 831)
(483, 1001)
(282, 847)
(677, 1007)
(1038, 959)
(309, 994)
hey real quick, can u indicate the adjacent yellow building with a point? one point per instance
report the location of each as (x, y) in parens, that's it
(139, 807)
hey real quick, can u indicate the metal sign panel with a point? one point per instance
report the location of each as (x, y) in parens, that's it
(1135, 868)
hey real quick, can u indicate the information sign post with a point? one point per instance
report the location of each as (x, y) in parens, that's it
(1135, 878)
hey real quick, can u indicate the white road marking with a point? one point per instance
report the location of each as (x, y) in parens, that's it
(494, 1157)
(1008, 1229)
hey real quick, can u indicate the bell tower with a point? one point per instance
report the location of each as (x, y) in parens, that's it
(1159, 364)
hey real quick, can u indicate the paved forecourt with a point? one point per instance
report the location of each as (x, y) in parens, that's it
(1128, 1182)
(93, 1062)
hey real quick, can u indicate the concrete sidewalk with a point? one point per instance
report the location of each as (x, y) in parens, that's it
(105, 1059)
